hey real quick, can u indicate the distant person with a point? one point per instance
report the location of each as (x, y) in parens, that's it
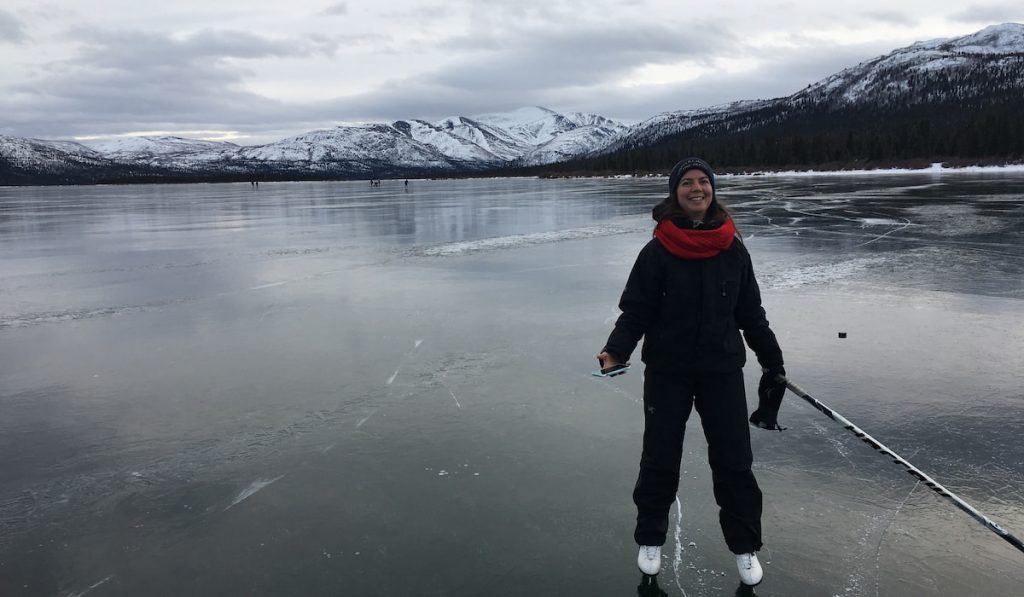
(407, 183)
(689, 294)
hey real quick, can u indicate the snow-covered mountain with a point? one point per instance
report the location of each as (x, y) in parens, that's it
(454, 144)
(988, 62)
(535, 126)
(667, 123)
(447, 141)
(573, 143)
(500, 143)
(901, 75)
(983, 67)
(162, 150)
(359, 149)
(23, 160)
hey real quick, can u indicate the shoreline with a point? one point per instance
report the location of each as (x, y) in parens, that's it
(937, 168)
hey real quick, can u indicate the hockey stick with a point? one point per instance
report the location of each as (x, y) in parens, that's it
(932, 483)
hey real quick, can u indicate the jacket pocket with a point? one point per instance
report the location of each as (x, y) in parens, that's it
(728, 291)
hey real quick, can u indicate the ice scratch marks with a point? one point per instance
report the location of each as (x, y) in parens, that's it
(94, 586)
(881, 537)
(408, 355)
(251, 490)
(677, 536)
(270, 285)
(366, 418)
(441, 379)
(27, 319)
(615, 388)
(876, 222)
(837, 443)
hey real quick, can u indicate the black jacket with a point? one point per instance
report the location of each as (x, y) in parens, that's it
(690, 313)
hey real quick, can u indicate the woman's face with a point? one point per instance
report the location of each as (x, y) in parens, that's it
(694, 194)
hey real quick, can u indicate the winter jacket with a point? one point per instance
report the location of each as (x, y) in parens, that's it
(690, 313)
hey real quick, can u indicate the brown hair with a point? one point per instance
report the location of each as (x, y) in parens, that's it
(669, 208)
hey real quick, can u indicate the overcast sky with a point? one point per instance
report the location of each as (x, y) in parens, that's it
(252, 71)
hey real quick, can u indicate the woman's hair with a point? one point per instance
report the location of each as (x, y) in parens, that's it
(669, 208)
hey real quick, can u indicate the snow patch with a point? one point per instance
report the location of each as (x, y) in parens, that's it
(522, 240)
(820, 274)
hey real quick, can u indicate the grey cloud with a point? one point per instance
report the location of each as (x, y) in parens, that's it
(892, 17)
(134, 48)
(139, 81)
(336, 9)
(991, 13)
(130, 81)
(788, 71)
(537, 60)
(424, 14)
(507, 12)
(11, 28)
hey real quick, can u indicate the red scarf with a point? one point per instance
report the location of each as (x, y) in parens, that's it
(694, 243)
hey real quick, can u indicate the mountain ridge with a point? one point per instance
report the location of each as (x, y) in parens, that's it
(980, 71)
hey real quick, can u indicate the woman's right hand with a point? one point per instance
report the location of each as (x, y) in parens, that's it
(606, 360)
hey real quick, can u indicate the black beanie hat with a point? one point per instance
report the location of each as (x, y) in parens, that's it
(682, 167)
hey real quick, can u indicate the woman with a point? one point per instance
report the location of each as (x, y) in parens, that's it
(691, 291)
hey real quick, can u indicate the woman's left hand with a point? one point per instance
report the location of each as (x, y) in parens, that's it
(769, 392)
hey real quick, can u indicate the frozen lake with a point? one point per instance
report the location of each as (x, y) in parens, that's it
(327, 388)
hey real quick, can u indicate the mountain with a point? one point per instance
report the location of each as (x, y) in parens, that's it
(913, 75)
(401, 148)
(947, 99)
(667, 123)
(495, 141)
(161, 150)
(580, 141)
(367, 150)
(952, 99)
(447, 141)
(32, 161)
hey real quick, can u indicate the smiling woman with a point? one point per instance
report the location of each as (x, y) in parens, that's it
(690, 293)
(692, 197)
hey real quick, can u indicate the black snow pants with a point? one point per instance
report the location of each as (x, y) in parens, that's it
(721, 403)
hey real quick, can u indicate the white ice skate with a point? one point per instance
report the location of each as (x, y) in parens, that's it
(649, 559)
(750, 569)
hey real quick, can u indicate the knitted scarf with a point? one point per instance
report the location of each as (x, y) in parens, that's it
(695, 243)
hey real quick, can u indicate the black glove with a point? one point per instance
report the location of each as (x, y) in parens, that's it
(769, 395)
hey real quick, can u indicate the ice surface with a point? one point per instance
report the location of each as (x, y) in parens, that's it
(168, 352)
